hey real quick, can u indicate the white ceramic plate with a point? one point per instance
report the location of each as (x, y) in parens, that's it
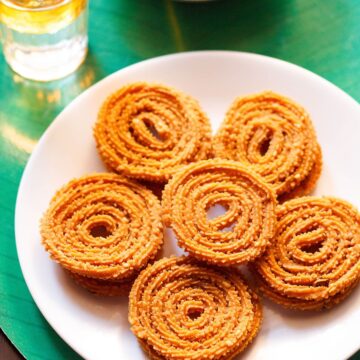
(97, 328)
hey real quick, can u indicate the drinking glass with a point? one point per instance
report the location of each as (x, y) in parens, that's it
(44, 39)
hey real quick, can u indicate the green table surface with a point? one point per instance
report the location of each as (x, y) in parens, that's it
(322, 36)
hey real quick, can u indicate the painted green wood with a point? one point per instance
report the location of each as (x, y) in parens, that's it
(323, 36)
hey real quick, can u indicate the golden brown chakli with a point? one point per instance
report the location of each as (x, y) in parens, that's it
(103, 226)
(275, 137)
(238, 236)
(180, 309)
(149, 131)
(314, 259)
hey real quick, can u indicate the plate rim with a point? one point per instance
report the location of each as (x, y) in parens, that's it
(56, 121)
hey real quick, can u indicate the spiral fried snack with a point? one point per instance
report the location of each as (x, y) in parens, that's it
(314, 260)
(274, 136)
(103, 226)
(149, 131)
(101, 287)
(250, 205)
(180, 309)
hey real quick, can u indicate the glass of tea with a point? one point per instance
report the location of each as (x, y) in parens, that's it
(44, 39)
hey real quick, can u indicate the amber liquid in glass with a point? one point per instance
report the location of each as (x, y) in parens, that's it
(44, 40)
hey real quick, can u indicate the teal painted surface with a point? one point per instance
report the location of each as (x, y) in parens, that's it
(322, 36)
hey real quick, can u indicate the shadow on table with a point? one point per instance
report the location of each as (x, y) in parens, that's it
(153, 27)
(226, 24)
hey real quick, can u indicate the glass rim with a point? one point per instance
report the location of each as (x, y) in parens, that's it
(16, 5)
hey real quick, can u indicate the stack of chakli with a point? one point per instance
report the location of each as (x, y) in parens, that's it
(106, 230)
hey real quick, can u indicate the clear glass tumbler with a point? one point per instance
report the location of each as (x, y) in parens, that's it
(44, 39)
